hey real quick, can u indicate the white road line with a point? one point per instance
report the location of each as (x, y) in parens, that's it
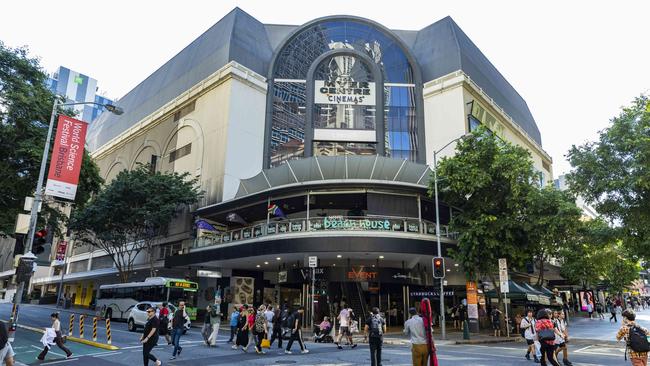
(50, 351)
(53, 362)
(582, 349)
(102, 354)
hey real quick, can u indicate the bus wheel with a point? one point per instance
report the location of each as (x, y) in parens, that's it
(131, 325)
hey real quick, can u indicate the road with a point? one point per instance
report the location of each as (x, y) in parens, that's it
(591, 345)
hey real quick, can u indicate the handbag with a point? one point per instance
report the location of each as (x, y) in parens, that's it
(266, 343)
(546, 334)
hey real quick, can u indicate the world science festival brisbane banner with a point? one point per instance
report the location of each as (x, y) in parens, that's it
(67, 156)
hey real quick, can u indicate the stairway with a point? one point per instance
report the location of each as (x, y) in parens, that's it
(353, 294)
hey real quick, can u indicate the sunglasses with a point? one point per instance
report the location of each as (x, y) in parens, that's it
(149, 311)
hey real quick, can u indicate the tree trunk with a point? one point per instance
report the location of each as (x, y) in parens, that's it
(540, 278)
(152, 260)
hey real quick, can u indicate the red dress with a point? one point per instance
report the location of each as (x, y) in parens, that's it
(425, 309)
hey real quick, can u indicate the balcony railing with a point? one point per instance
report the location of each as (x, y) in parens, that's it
(323, 224)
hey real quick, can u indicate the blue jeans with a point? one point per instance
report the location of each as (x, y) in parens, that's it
(176, 341)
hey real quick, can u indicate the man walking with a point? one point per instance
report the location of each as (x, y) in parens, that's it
(296, 331)
(414, 328)
(215, 323)
(149, 337)
(178, 325)
(345, 321)
(636, 338)
(234, 318)
(374, 330)
(528, 326)
(207, 325)
(496, 322)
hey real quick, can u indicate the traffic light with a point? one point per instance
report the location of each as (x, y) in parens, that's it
(40, 238)
(438, 267)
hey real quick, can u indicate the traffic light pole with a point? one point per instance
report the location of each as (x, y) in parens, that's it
(443, 330)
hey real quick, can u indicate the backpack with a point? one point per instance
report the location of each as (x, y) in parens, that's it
(284, 319)
(637, 340)
(376, 326)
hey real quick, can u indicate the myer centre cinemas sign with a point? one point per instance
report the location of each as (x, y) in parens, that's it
(344, 91)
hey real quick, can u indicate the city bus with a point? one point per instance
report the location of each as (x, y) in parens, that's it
(115, 301)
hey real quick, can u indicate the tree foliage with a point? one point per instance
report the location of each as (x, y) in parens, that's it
(613, 173)
(131, 212)
(25, 108)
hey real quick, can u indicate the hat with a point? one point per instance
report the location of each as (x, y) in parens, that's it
(412, 311)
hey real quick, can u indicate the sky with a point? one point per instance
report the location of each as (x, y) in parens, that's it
(576, 63)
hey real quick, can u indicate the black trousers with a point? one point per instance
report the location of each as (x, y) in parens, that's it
(613, 316)
(296, 336)
(146, 352)
(277, 334)
(59, 342)
(233, 333)
(548, 354)
(375, 350)
(258, 345)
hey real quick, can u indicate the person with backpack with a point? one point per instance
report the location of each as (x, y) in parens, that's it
(496, 322)
(546, 334)
(635, 336)
(163, 318)
(260, 328)
(295, 320)
(374, 330)
(527, 327)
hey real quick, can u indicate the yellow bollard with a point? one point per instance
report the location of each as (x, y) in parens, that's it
(94, 329)
(108, 331)
(71, 328)
(82, 317)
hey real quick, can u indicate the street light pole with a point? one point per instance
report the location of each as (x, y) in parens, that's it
(38, 194)
(443, 328)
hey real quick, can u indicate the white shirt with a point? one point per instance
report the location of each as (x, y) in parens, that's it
(529, 325)
(560, 325)
(414, 328)
(56, 324)
(344, 318)
(269, 317)
(7, 351)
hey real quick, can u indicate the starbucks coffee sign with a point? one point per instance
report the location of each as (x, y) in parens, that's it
(344, 91)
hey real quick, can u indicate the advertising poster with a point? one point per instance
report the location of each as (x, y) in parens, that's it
(67, 156)
(586, 299)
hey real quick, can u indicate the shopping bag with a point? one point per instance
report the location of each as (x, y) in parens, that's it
(266, 343)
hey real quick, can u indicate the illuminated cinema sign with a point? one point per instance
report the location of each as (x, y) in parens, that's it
(344, 91)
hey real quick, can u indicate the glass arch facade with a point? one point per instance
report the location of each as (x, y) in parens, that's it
(291, 108)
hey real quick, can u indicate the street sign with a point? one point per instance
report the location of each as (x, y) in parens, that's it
(313, 262)
(505, 287)
(503, 275)
(503, 264)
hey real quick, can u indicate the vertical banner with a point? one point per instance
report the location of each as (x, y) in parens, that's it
(67, 155)
(472, 306)
(61, 248)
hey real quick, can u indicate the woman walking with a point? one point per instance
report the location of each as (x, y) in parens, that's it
(56, 325)
(242, 329)
(260, 328)
(149, 338)
(546, 333)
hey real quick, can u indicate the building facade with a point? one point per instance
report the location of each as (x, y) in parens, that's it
(311, 140)
(77, 87)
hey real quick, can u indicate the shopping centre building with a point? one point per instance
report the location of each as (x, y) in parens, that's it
(310, 140)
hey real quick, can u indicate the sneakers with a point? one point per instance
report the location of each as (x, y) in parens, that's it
(68, 356)
(338, 346)
(158, 363)
(353, 346)
(234, 346)
(287, 352)
(172, 358)
(567, 363)
(180, 349)
(527, 356)
(304, 351)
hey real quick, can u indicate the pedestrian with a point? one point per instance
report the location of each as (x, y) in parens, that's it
(635, 337)
(496, 321)
(427, 319)
(375, 329)
(518, 323)
(414, 328)
(215, 323)
(234, 319)
(561, 340)
(454, 316)
(612, 312)
(58, 339)
(277, 327)
(296, 331)
(527, 325)
(270, 315)
(242, 328)
(250, 323)
(163, 318)
(260, 328)
(599, 310)
(590, 310)
(149, 338)
(178, 326)
(345, 320)
(546, 334)
(566, 309)
(207, 326)
(6, 351)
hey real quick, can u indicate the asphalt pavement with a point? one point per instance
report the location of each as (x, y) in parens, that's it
(592, 344)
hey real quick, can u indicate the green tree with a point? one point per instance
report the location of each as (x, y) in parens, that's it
(553, 221)
(490, 181)
(613, 174)
(132, 212)
(25, 108)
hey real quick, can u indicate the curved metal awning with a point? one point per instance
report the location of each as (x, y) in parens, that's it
(323, 168)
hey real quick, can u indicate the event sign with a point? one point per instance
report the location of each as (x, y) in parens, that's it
(67, 156)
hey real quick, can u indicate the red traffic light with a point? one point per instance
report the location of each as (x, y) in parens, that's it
(437, 262)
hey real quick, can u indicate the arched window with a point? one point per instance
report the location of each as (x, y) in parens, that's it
(291, 135)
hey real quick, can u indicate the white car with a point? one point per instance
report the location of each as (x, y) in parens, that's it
(137, 316)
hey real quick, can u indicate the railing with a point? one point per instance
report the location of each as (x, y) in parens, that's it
(322, 224)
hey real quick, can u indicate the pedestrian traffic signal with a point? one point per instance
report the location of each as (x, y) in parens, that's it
(40, 238)
(438, 267)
